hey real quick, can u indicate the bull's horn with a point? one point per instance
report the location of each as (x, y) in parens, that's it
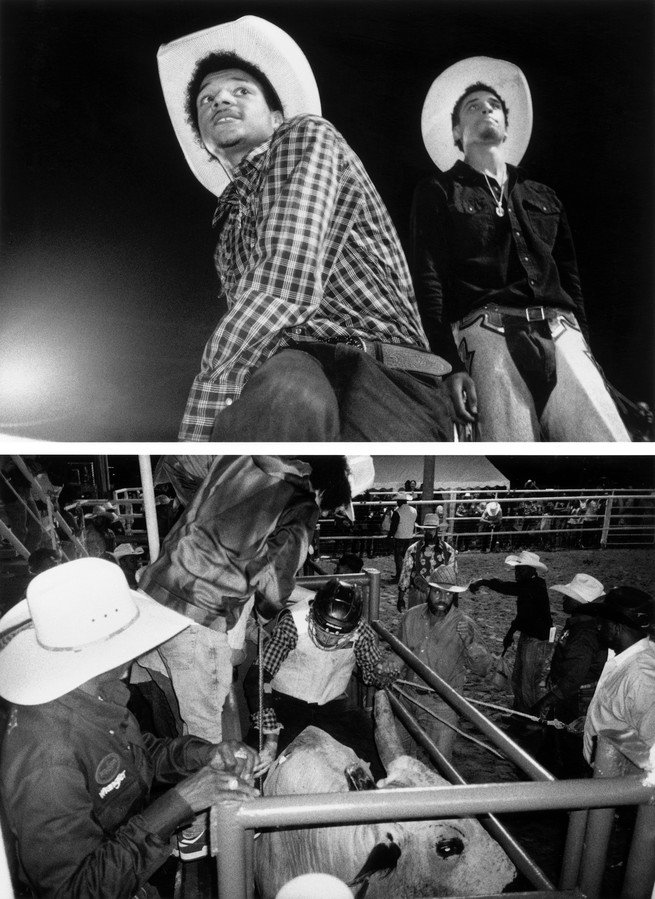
(386, 734)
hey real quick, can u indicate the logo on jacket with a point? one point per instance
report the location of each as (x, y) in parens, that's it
(108, 768)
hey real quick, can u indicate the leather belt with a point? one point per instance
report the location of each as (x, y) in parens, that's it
(393, 355)
(529, 313)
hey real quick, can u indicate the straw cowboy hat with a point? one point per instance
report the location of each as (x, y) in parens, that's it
(626, 605)
(526, 558)
(444, 577)
(127, 549)
(403, 496)
(257, 42)
(447, 88)
(583, 588)
(431, 520)
(79, 620)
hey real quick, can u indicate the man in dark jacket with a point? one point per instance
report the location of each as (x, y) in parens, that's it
(76, 772)
(495, 269)
(533, 621)
(577, 663)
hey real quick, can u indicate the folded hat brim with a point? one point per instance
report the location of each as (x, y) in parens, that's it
(448, 87)
(31, 674)
(611, 613)
(513, 561)
(254, 40)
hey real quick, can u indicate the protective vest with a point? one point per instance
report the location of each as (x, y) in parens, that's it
(313, 674)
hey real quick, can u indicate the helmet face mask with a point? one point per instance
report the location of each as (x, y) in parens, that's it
(334, 614)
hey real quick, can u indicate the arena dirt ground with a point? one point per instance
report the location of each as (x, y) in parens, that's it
(541, 834)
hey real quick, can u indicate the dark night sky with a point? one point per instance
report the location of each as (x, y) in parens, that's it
(107, 280)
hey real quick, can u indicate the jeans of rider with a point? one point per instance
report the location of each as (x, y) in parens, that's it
(536, 380)
(328, 392)
(530, 670)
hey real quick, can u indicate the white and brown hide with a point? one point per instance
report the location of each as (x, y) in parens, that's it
(391, 860)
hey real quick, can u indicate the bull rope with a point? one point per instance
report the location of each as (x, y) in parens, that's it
(499, 708)
(443, 721)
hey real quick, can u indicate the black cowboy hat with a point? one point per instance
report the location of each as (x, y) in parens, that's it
(629, 606)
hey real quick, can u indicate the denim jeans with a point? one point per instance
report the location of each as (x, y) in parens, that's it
(530, 670)
(329, 392)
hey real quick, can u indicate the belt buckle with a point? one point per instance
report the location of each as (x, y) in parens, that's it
(535, 314)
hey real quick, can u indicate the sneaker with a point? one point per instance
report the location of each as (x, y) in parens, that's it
(192, 842)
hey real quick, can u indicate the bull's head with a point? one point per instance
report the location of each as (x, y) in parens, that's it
(392, 860)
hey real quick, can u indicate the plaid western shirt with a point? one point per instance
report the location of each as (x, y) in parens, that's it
(284, 640)
(304, 242)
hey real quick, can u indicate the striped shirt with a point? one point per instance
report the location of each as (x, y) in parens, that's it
(304, 242)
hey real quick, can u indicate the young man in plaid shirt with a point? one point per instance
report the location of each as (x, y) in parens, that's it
(321, 339)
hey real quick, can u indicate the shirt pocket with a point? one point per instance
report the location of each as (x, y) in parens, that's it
(543, 214)
(473, 219)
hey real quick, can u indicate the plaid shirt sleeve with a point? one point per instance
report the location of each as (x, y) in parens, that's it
(303, 219)
(367, 653)
(283, 640)
(404, 581)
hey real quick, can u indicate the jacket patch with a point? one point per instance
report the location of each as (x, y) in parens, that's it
(108, 768)
(114, 785)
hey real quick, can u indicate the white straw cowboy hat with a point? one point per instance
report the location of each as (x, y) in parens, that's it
(526, 558)
(583, 588)
(257, 42)
(79, 620)
(445, 578)
(127, 549)
(510, 83)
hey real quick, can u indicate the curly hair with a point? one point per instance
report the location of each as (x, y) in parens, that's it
(218, 62)
(472, 89)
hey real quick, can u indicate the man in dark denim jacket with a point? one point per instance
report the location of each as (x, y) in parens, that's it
(495, 269)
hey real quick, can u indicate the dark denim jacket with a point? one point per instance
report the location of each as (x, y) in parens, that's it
(463, 256)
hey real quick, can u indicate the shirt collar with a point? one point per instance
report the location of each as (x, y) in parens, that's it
(623, 657)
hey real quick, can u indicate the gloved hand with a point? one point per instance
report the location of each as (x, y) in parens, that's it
(466, 632)
(267, 756)
(545, 707)
(508, 640)
(387, 671)
(400, 605)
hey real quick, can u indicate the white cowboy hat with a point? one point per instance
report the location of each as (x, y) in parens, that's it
(256, 41)
(493, 507)
(526, 558)
(431, 520)
(79, 620)
(405, 496)
(583, 588)
(447, 88)
(127, 549)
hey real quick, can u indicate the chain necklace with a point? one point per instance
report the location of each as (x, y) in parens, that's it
(500, 212)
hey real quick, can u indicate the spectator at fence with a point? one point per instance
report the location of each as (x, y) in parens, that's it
(349, 564)
(490, 522)
(422, 558)
(130, 558)
(623, 706)
(591, 522)
(577, 663)
(533, 621)
(463, 523)
(401, 530)
(448, 642)
(42, 559)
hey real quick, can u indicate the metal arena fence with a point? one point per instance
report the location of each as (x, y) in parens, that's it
(538, 519)
(591, 803)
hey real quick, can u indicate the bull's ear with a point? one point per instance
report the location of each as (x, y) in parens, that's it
(386, 734)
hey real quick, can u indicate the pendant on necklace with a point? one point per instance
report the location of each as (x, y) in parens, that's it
(500, 212)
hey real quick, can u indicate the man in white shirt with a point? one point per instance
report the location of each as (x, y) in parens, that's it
(623, 706)
(401, 530)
